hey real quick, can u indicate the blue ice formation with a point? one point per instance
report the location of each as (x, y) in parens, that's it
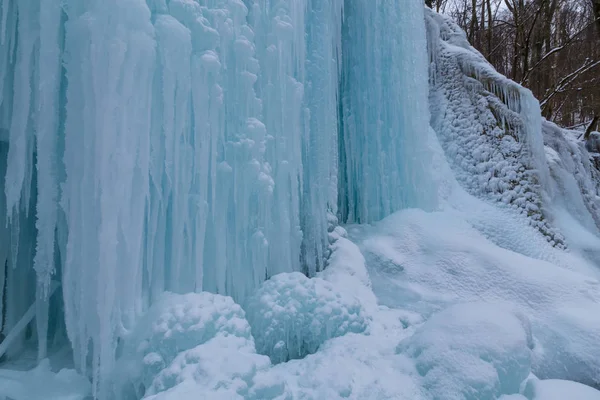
(292, 315)
(192, 145)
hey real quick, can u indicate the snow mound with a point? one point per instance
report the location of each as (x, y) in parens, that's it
(442, 260)
(556, 389)
(221, 368)
(347, 271)
(292, 315)
(472, 351)
(168, 338)
(354, 366)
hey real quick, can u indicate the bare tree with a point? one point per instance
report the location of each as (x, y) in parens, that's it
(549, 46)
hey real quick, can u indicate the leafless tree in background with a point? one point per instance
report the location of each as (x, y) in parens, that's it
(550, 46)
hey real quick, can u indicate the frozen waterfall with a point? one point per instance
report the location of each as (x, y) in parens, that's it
(193, 145)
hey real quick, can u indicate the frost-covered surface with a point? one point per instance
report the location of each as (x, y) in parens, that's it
(177, 337)
(575, 173)
(292, 315)
(472, 351)
(488, 126)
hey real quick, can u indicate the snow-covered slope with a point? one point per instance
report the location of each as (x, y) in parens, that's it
(489, 127)
(499, 147)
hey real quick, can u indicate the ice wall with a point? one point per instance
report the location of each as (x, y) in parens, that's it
(384, 145)
(193, 145)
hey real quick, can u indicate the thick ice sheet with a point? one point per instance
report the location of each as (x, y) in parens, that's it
(151, 146)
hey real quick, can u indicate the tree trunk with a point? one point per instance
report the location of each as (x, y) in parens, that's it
(490, 27)
(590, 128)
(474, 24)
(596, 8)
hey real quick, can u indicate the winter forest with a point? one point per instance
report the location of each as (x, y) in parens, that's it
(550, 46)
(299, 199)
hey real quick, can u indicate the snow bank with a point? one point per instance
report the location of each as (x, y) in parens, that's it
(472, 352)
(355, 367)
(292, 315)
(221, 368)
(439, 259)
(347, 271)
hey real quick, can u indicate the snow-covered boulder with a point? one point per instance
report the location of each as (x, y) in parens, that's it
(292, 315)
(221, 368)
(176, 342)
(593, 143)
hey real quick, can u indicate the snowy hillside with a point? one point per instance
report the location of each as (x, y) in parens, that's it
(301, 199)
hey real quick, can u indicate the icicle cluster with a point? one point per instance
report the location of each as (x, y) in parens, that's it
(192, 145)
(161, 146)
(385, 111)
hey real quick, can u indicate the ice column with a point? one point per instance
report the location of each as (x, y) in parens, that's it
(158, 145)
(385, 110)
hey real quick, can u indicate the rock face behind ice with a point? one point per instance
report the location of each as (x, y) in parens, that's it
(489, 127)
(292, 315)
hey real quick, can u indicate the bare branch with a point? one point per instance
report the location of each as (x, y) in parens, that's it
(567, 80)
(555, 50)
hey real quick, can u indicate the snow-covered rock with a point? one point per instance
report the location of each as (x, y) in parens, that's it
(292, 315)
(177, 339)
(489, 127)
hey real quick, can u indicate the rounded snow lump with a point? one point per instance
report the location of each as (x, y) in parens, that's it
(472, 351)
(175, 324)
(292, 315)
